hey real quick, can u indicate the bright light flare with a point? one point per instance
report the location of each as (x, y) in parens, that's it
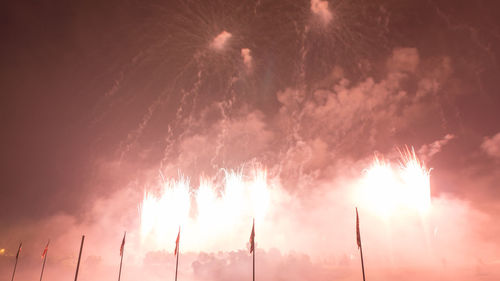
(160, 214)
(416, 180)
(387, 189)
(218, 210)
(260, 195)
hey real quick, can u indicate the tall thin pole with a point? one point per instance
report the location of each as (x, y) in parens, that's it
(45, 253)
(43, 266)
(14, 273)
(253, 271)
(122, 252)
(120, 272)
(253, 252)
(177, 263)
(79, 258)
(177, 251)
(358, 241)
(362, 263)
(17, 258)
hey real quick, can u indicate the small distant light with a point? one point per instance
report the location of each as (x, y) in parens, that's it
(2, 252)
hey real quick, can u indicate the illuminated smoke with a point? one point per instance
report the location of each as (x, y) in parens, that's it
(247, 57)
(427, 151)
(492, 146)
(320, 8)
(220, 40)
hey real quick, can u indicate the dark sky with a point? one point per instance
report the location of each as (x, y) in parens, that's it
(95, 93)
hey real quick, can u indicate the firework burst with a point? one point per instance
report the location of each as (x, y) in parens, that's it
(391, 189)
(220, 210)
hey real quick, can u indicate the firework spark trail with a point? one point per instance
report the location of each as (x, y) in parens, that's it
(325, 36)
(202, 60)
(162, 98)
(188, 97)
(190, 30)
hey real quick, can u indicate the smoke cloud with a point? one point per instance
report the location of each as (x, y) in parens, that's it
(247, 57)
(491, 145)
(427, 151)
(220, 40)
(320, 8)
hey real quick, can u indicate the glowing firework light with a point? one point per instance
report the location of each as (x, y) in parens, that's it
(220, 209)
(388, 189)
(215, 211)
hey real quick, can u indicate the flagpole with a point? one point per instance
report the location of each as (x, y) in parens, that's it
(177, 251)
(44, 259)
(362, 263)
(17, 258)
(79, 257)
(120, 272)
(43, 266)
(122, 252)
(358, 238)
(14, 273)
(177, 262)
(253, 252)
(253, 271)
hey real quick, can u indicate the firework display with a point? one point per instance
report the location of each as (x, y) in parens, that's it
(267, 139)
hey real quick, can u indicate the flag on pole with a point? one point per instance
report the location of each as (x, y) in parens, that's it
(358, 235)
(44, 258)
(45, 250)
(123, 245)
(252, 237)
(176, 252)
(177, 241)
(19, 250)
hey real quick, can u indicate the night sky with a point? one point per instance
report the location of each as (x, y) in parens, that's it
(101, 100)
